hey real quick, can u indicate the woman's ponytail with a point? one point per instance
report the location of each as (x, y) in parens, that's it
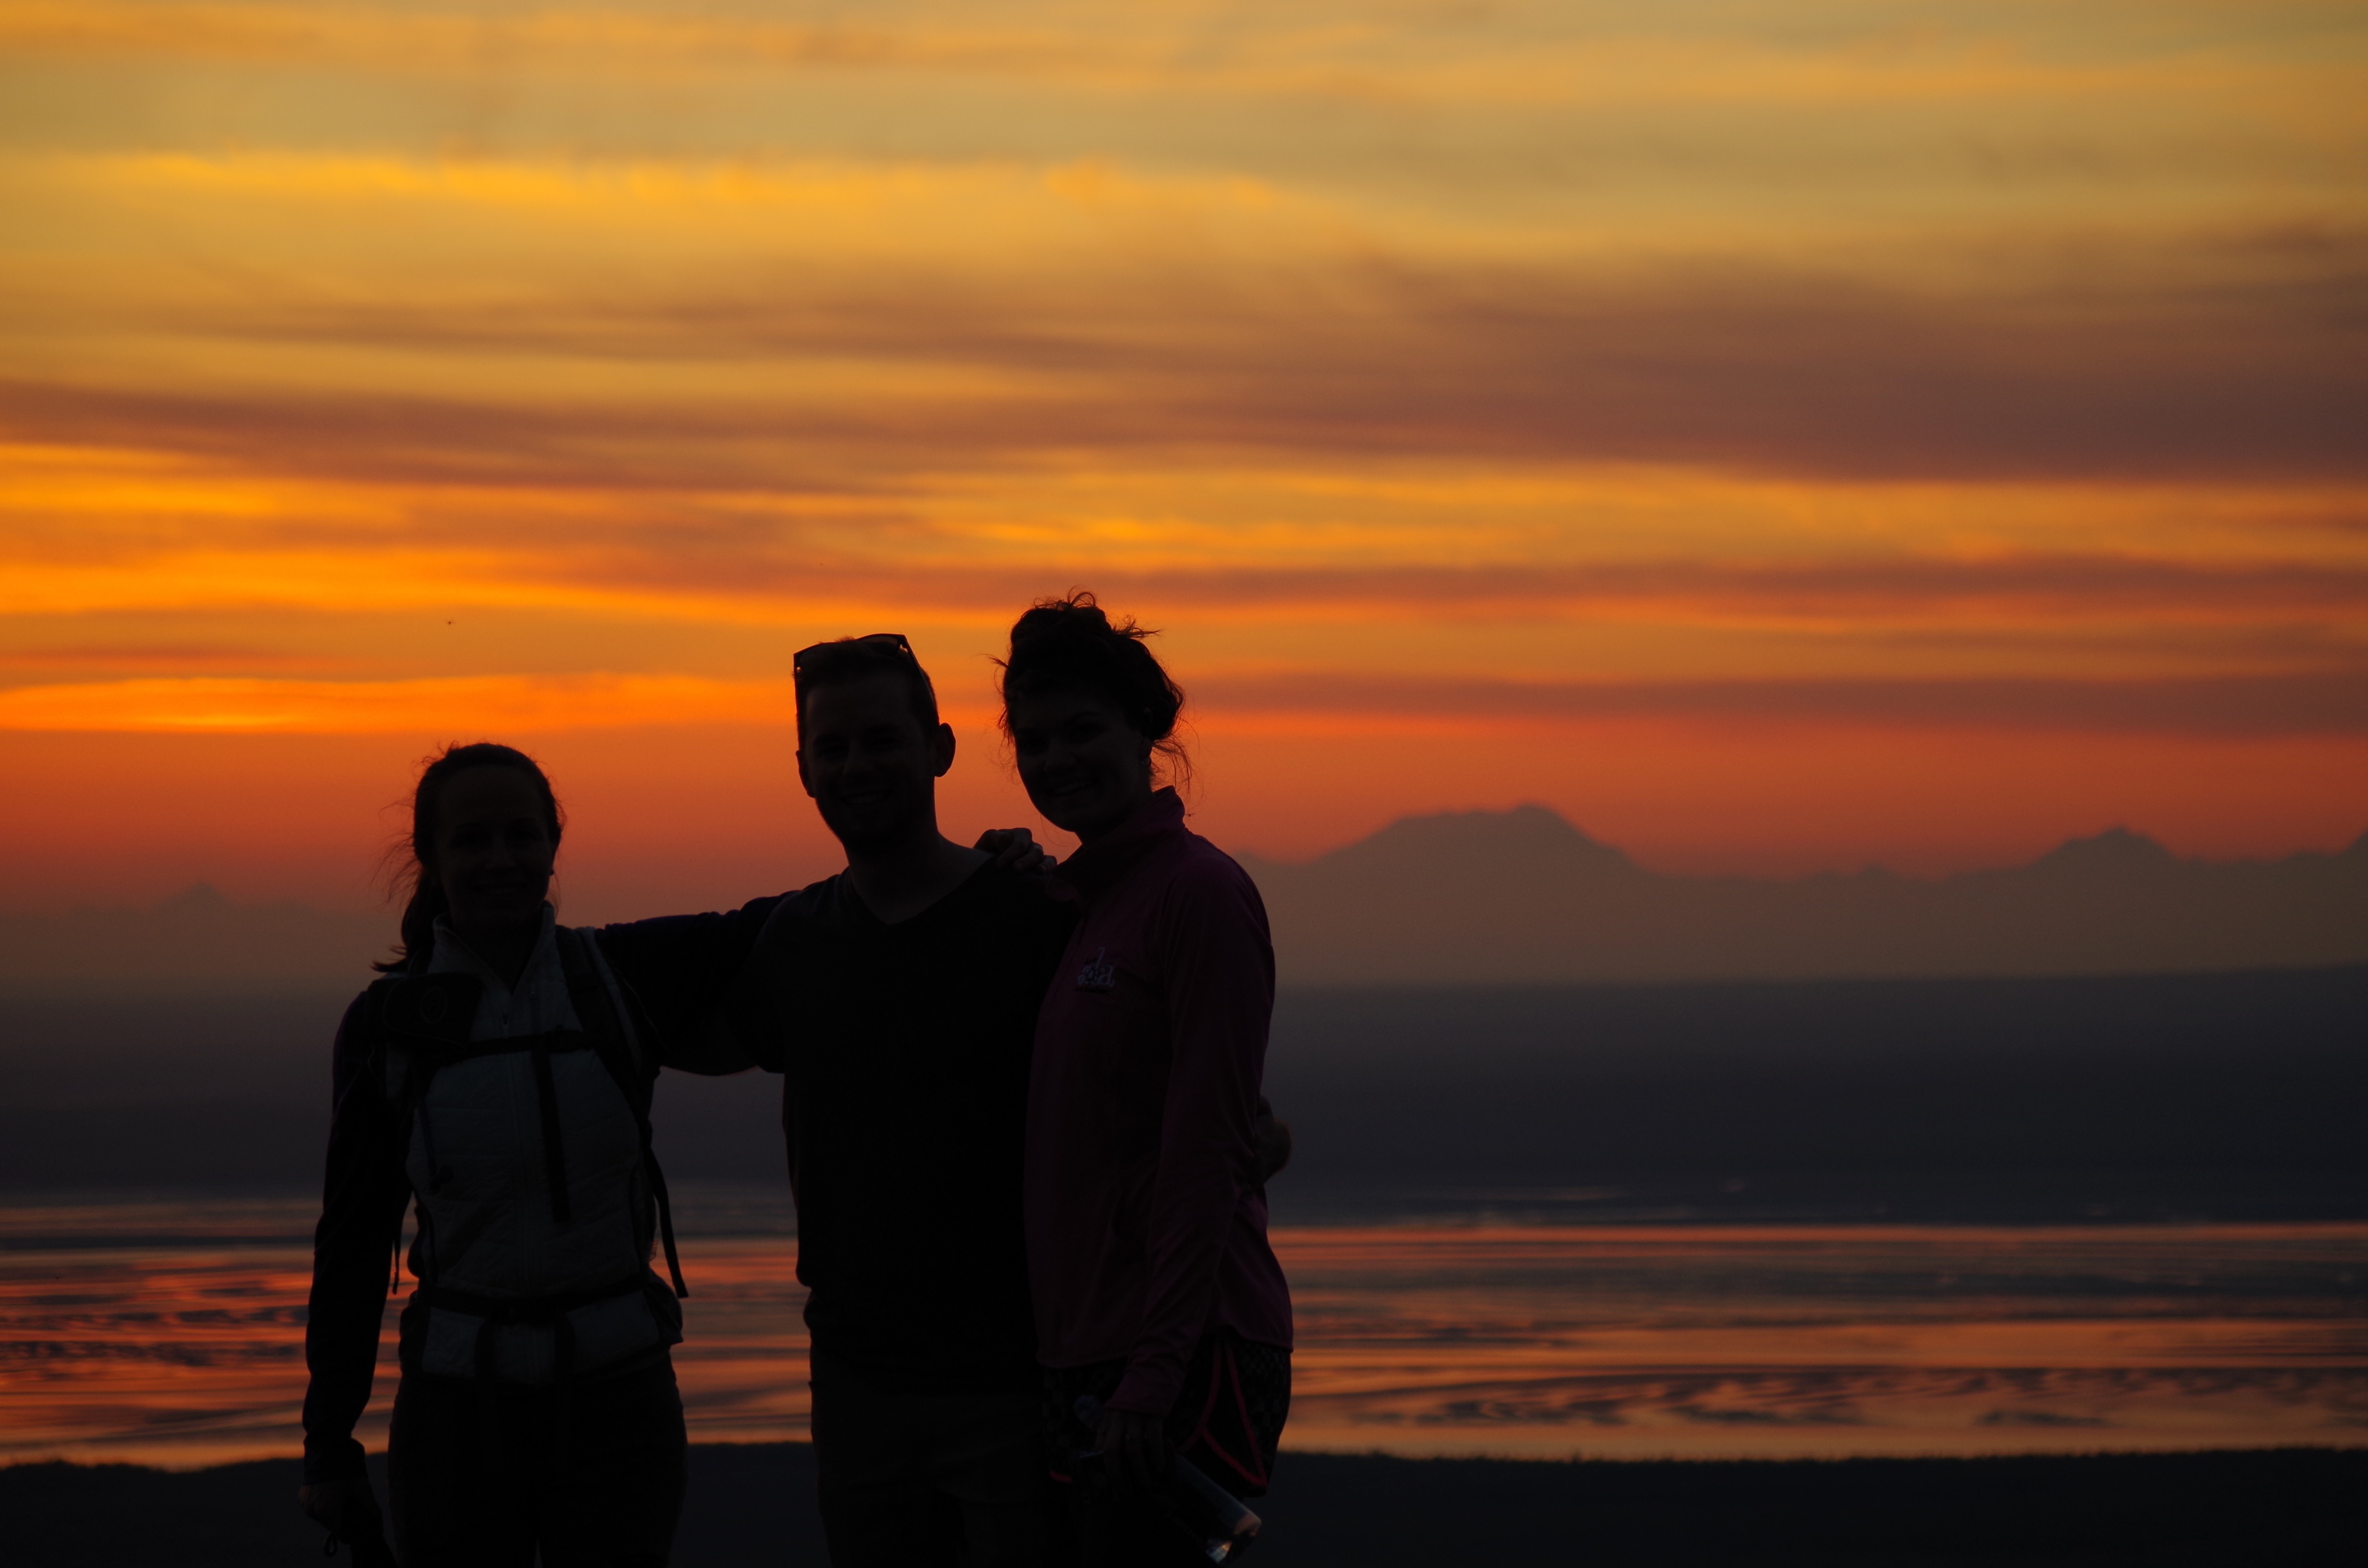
(419, 915)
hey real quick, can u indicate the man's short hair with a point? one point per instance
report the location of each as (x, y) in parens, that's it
(852, 659)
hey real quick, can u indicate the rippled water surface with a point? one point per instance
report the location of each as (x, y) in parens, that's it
(170, 1332)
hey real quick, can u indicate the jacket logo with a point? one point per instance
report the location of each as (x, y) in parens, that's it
(1098, 975)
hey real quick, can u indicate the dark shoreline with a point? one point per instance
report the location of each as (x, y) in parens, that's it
(2118, 1099)
(754, 1503)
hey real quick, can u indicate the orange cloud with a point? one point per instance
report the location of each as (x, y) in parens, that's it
(2273, 705)
(486, 703)
(1507, 383)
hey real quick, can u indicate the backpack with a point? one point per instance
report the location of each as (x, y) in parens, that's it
(417, 1023)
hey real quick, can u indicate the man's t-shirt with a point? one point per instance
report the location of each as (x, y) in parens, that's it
(904, 1052)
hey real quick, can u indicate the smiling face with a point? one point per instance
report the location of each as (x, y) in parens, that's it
(1084, 766)
(870, 763)
(494, 850)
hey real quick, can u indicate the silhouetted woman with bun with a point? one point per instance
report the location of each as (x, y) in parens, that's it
(498, 1080)
(1157, 1296)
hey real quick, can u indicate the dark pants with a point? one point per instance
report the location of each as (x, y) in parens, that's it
(482, 1476)
(1227, 1421)
(911, 1479)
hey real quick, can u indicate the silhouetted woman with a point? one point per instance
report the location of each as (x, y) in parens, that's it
(495, 1081)
(1155, 1290)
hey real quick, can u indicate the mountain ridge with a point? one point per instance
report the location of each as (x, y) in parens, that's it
(1525, 896)
(1520, 896)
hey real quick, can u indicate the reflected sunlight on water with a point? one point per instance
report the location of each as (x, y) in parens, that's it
(170, 1332)
(1799, 1340)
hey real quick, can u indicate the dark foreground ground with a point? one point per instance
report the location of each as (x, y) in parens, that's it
(753, 1505)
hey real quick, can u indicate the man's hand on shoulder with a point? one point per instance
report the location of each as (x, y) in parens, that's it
(1016, 849)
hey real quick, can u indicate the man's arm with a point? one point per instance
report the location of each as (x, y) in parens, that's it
(686, 971)
(695, 976)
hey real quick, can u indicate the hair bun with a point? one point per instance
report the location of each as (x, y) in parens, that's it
(1071, 643)
(1079, 614)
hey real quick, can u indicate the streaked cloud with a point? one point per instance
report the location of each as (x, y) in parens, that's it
(781, 325)
(487, 703)
(378, 370)
(1385, 52)
(2280, 705)
(2275, 705)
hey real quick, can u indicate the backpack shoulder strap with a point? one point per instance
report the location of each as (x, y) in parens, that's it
(367, 1021)
(409, 1022)
(418, 1019)
(597, 1008)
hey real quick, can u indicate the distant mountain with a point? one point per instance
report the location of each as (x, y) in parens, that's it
(1489, 898)
(1522, 896)
(196, 937)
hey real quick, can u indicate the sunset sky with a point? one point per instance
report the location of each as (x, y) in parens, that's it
(1778, 436)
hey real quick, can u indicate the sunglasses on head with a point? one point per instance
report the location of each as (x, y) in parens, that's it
(806, 658)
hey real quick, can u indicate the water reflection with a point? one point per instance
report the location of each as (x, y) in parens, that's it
(1783, 1340)
(169, 1332)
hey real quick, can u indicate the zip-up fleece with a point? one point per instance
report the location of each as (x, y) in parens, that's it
(1145, 1208)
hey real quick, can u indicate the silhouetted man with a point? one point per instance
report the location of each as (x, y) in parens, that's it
(899, 1000)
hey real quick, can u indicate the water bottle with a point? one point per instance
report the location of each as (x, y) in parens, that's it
(1222, 1523)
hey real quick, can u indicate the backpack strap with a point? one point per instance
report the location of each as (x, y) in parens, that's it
(598, 1009)
(424, 1022)
(417, 1022)
(366, 1038)
(421, 1021)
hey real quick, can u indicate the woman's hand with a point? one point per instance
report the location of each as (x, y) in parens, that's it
(1272, 1138)
(324, 1504)
(348, 1511)
(1134, 1447)
(1016, 849)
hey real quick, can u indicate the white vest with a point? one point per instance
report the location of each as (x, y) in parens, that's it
(477, 1160)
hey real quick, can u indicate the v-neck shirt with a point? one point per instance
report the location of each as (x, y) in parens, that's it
(905, 1049)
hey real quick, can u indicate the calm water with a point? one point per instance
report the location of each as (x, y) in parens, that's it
(169, 1332)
